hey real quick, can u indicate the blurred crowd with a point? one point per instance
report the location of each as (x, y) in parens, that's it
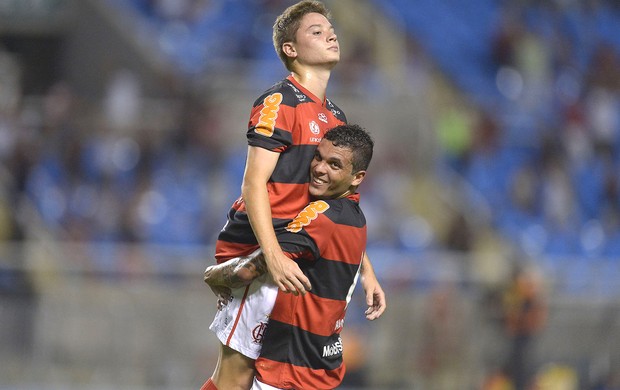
(95, 174)
(545, 154)
(543, 159)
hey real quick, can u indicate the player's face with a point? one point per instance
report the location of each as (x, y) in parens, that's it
(316, 42)
(331, 171)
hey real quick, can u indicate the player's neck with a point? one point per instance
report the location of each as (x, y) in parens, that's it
(313, 80)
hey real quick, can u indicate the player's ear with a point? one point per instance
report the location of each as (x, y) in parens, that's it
(289, 49)
(358, 177)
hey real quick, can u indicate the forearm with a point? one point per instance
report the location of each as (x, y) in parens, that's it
(286, 273)
(367, 271)
(375, 297)
(258, 209)
(237, 272)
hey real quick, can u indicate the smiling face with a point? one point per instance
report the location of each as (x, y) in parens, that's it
(315, 42)
(331, 172)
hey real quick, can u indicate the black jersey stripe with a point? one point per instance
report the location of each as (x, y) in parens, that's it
(291, 95)
(345, 213)
(280, 137)
(239, 230)
(330, 279)
(301, 348)
(289, 170)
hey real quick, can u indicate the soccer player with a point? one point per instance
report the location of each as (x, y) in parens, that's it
(299, 334)
(286, 124)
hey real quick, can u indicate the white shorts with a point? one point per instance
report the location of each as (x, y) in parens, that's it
(241, 324)
(258, 385)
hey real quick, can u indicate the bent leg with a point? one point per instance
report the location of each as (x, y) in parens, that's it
(233, 371)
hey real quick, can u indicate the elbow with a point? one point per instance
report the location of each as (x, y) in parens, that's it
(208, 275)
(252, 185)
(245, 276)
(246, 188)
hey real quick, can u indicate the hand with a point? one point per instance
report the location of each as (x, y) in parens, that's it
(223, 295)
(286, 274)
(213, 278)
(375, 298)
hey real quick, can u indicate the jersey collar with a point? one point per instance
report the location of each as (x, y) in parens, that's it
(305, 91)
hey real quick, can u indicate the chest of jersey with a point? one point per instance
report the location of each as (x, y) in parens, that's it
(312, 121)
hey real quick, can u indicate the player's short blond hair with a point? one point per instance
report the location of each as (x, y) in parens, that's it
(287, 24)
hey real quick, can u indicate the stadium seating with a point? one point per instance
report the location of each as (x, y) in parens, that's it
(460, 40)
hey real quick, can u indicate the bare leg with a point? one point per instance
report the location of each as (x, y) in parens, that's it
(233, 371)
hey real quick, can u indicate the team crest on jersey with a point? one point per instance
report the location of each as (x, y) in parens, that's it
(307, 215)
(268, 115)
(322, 117)
(259, 332)
(314, 127)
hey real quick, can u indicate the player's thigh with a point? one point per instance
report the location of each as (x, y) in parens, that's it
(234, 370)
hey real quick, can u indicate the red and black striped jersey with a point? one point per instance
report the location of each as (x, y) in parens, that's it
(302, 348)
(290, 120)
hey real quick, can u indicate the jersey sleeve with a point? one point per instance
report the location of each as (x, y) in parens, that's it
(271, 122)
(306, 236)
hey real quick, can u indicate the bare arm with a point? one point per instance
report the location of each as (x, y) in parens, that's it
(234, 273)
(375, 297)
(237, 272)
(285, 273)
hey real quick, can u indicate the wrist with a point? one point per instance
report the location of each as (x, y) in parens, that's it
(271, 254)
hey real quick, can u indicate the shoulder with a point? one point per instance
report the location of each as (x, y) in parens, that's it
(336, 111)
(344, 211)
(284, 92)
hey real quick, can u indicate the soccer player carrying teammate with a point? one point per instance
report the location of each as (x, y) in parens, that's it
(287, 122)
(299, 334)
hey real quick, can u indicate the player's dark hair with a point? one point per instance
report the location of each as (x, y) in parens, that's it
(355, 138)
(287, 24)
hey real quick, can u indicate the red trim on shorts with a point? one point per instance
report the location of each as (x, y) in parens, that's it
(209, 385)
(232, 331)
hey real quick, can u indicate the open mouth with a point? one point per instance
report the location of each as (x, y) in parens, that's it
(316, 181)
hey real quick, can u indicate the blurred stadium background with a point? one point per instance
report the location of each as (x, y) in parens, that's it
(493, 201)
